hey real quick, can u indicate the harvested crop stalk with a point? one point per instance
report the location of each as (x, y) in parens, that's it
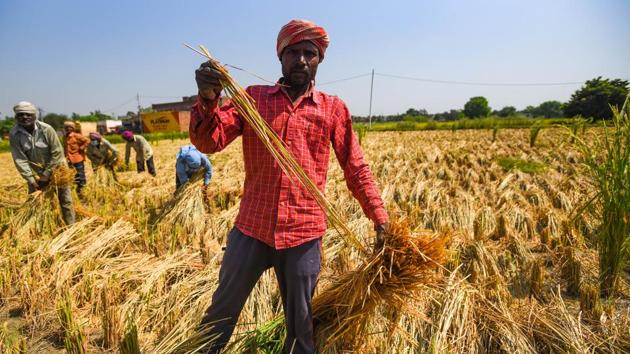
(246, 107)
(342, 312)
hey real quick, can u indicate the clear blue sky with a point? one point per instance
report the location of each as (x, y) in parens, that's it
(78, 56)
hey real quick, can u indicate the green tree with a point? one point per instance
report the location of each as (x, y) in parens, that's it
(506, 111)
(6, 125)
(593, 100)
(476, 107)
(416, 112)
(453, 114)
(549, 109)
(55, 120)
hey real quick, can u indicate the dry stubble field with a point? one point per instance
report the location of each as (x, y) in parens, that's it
(139, 267)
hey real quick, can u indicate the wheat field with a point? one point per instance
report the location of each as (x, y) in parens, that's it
(137, 270)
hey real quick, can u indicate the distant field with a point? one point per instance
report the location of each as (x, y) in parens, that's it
(482, 123)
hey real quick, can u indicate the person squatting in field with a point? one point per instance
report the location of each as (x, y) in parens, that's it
(143, 150)
(189, 161)
(36, 152)
(280, 224)
(101, 152)
(75, 145)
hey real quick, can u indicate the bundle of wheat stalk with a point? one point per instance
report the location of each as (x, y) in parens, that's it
(40, 213)
(103, 192)
(104, 176)
(342, 312)
(61, 176)
(184, 219)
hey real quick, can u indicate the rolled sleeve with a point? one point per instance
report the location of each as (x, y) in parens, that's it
(212, 128)
(21, 161)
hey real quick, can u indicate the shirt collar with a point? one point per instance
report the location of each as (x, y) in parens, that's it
(311, 92)
(20, 129)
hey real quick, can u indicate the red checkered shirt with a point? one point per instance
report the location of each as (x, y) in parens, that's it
(274, 210)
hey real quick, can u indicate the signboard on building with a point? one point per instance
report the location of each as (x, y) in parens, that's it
(159, 122)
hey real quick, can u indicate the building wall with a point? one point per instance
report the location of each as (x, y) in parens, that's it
(183, 118)
(87, 127)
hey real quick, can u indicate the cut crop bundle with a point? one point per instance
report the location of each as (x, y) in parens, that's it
(343, 311)
(184, 220)
(40, 214)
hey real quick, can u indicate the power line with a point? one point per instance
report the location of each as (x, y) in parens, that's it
(160, 96)
(469, 83)
(120, 105)
(344, 79)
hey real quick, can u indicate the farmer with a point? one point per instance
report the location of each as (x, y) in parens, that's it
(36, 151)
(279, 224)
(101, 152)
(143, 151)
(190, 161)
(75, 145)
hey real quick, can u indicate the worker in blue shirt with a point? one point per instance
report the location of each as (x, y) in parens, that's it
(189, 162)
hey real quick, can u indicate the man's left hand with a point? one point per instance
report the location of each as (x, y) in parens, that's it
(43, 182)
(381, 233)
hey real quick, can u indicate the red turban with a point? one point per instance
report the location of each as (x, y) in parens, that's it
(302, 30)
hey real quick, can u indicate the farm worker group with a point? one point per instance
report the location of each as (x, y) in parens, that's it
(279, 224)
(37, 151)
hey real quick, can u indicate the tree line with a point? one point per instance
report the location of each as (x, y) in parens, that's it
(593, 100)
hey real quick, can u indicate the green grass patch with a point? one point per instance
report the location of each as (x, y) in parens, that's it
(4, 145)
(509, 163)
(480, 123)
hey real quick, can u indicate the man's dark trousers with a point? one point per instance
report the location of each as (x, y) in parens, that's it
(150, 166)
(79, 177)
(244, 262)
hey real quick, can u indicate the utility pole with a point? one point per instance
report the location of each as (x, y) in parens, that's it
(139, 110)
(41, 113)
(371, 89)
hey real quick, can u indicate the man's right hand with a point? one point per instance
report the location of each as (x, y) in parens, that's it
(43, 183)
(34, 186)
(208, 81)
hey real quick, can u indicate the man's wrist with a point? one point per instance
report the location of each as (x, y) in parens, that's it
(381, 227)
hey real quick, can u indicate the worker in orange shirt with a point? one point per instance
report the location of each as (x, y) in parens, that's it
(75, 145)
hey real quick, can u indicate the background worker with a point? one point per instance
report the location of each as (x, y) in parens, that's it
(36, 151)
(101, 152)
(190, 161)
(280, 224)
(143, 150)
(75, 145)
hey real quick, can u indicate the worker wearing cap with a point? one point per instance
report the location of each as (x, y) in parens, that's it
(189, 162)
(101, 152)
(143, 151)
(75, 145)
(280, 224)
(36, 152)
